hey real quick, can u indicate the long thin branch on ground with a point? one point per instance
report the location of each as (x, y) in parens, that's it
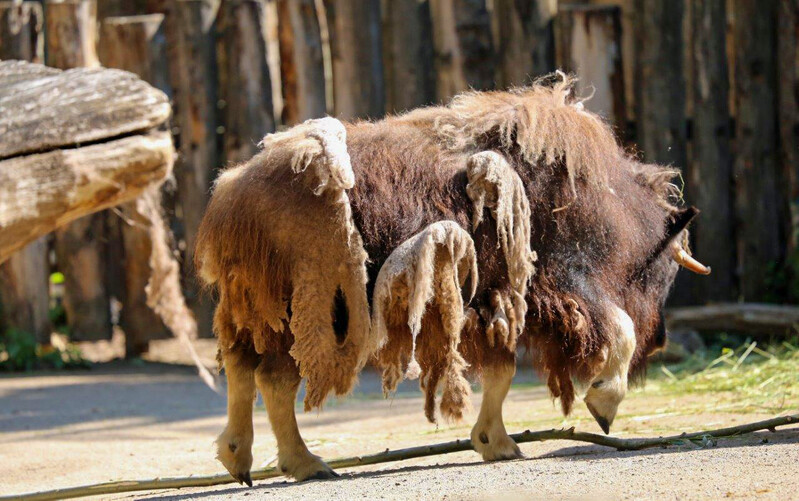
(387, 456)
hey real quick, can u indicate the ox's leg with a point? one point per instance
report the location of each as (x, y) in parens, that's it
(278, 380)
(489, 437)
(234, 445)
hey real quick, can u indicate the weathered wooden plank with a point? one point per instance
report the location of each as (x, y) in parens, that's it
(82, 105)
(71, 33)
(355, 46)
(41, 192)
(136, 44)
(21, 31)
(589, 44)
(408, 55)
(464, 55)
(758, 201)
(301, 65)
(244, 83)
(523, 37)
(709, 180)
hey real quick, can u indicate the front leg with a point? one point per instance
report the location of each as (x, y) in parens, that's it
(489, 437)
(278, 380)
(234, 445)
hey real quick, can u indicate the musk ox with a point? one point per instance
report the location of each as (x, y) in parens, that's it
(431, 243)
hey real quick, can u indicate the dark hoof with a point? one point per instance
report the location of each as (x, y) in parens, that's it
(244, 478)
(323, 475)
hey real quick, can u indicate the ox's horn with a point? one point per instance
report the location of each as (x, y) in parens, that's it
(686, 261)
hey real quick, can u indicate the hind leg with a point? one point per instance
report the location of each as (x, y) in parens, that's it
(489, 437)
(234, 445)
(278, 380)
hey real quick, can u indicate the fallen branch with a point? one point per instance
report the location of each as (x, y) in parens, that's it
(387, 456)
(756, 319)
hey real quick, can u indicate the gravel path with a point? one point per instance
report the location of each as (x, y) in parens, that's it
(123, 421)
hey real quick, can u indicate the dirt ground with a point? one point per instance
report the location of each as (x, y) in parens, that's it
(137, 421)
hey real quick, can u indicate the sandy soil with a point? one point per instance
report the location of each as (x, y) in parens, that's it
(136, 421)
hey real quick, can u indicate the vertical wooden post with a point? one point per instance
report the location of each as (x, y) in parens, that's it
(408, 54)
(788, 110)
(302, 69)
(589, 44)
(463, 47)
(192, 68)
(355, 45)
(80, 251)
(244, 84)
(756, 168)
(709, 179)
(660, 86)
(524, 41)
(136, 44)
(25, 277)
(21, 26)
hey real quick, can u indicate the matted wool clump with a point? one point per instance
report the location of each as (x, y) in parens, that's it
(418, 314)
(494, 185)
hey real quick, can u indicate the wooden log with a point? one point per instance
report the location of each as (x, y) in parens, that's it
(660, 86)
(463, 47)
(708, 183)
(25, 277)
(408, 55)
(71, 43)
(136, 44)
(758, 201)
(71, 33)
(589, 45)
(21, 31)
(192, 68)
(788, 112)
(244, 84)
(524, 41)
(301, 65)
(355, 47)
(41, 192)
(763, 320)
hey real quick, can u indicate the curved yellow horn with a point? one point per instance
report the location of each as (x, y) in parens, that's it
(686, 261)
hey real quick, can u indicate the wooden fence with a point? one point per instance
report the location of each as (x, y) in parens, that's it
(709, 86)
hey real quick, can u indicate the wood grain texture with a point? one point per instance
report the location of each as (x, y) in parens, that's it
(21, 26)
(244, 84)
(44, 108)
(765, 320)
(71, 33)
(43, 191)
(524, 41)
(301, 64)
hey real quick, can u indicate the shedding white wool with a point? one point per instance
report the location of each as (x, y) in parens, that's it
(322, 145)
(409, 277)
(493, 184)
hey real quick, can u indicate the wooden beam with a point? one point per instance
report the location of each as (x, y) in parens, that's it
(524, 41)
(589, 45)
(709, 178)
(301, 66)
(758, 201)
(192, 68)
(788, 112)
(71, 33)
(136, 44)
(21, 31)
(464, 54)
(408, 55)
(244, 84)
(355, 46)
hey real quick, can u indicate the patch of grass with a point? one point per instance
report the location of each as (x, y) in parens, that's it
(748, 378)
(19, 351)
